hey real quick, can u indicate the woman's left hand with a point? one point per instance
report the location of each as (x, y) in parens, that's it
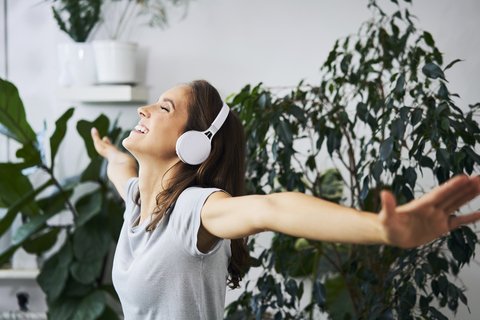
(430, 216)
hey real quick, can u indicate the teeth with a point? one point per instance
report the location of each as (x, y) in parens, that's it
(141, 128)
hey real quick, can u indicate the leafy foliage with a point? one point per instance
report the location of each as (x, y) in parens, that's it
(383, 112)
(73, 278)
(77, 18)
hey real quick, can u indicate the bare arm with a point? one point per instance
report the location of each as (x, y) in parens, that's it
(121, 166)
(297, 214)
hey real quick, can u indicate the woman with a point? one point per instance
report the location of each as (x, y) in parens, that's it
(173, 255)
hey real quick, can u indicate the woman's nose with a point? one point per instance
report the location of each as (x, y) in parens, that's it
(143, 112)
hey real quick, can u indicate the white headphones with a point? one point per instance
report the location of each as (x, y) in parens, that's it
(193, 147)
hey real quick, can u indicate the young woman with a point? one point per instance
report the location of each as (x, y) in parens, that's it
(174, 255)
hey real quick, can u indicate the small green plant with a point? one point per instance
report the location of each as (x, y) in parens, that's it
(77, 18)
(384, 113)
(73, 277)
(118, 14)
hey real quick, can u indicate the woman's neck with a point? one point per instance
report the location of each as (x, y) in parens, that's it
(153, 179)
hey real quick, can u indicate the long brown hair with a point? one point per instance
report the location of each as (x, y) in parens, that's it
(224, 168)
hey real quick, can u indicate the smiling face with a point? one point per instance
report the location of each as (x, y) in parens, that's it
(160, 125)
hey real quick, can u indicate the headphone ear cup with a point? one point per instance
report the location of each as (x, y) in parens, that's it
(193, 147)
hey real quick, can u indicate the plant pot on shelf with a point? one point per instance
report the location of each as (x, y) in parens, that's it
(115, 61)
(77, 64)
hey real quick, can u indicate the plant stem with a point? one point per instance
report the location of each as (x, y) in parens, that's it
(60, 189)
(314, 276)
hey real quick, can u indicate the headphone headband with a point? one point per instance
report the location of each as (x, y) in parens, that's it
(219, 120)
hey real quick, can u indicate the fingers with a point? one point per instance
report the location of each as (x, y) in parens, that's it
(453, 193)
(460, 194)
(457, 221)
(470, 192)
(388, 201)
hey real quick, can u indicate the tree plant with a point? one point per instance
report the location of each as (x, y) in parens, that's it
(73, 277)
(384, 114)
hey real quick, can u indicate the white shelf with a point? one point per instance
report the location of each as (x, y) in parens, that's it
(103, 93)
(8, 274)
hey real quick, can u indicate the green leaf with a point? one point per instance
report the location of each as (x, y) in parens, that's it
(59, 133)
(386, 148)
(29, 228)
(416, 116)
(84, 127)
(444, 159)
(428, 39)
(88, 207)
(398, 129)
(399, 87)
(319, 294)
(62, 308)
(92, 240)
(13, 186)
(285, 133)
(91, 307)
(13, 121)
(377, 171)
(108, 314)
(12, 211)
(86, 272)
(54, 274)
(472, 154)
(92, 171)
(433, 71)
(451, 64)
(42, 242)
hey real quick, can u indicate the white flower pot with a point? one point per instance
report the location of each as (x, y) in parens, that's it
(77, 64)
(115, 61)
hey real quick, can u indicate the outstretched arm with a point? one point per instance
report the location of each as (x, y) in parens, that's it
(415, 223)
(121, 166)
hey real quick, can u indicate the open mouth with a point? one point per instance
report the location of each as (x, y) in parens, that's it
(141, 128)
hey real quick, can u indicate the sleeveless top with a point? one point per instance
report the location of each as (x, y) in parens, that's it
(161, 274)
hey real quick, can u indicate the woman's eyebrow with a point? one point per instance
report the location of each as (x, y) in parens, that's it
(169, 101)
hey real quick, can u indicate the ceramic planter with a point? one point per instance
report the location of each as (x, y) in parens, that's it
(115, 61)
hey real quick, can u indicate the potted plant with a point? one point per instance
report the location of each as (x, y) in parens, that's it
(115, 59)
(383, 111)
(77, 19)
(74, 277)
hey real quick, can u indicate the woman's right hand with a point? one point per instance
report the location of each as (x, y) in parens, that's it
(104, 146)
(121, 166)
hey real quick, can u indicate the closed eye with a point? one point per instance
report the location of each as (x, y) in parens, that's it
(166, 109)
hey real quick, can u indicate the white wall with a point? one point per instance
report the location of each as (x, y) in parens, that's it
(230, 43)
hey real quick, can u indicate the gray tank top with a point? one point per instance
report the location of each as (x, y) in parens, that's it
(162, 274)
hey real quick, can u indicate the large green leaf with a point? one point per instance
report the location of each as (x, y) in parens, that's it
(12, 211)
(14, 185)
(22, 234)
(92, 240)
(91, 307)
(54, 273)
(59, 133)
(88, 207)
(41, 242)
(86, 272)
(433, 71)
(84, 127)
(13, 121)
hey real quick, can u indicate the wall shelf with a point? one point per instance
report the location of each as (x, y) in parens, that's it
(18, 274)
(103, 93)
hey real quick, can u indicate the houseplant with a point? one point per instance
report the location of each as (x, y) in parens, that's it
(73, 278)
(115, 59)
(77, 19)
(384, 112)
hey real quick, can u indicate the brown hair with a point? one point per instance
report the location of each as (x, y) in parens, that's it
(224, 168)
